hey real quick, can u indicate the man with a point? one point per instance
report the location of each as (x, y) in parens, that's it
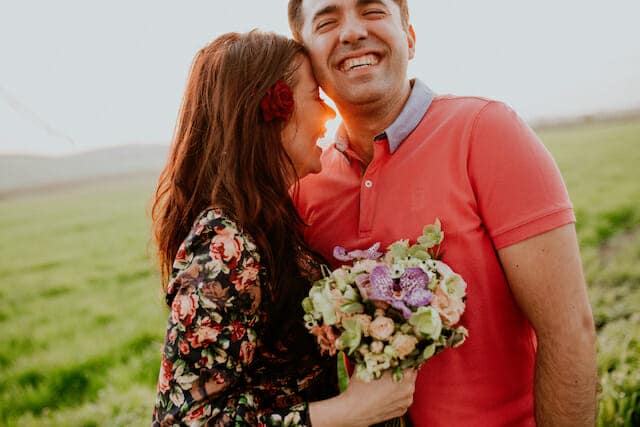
(404, 157)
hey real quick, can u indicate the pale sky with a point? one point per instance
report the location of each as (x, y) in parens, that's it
(79, 75)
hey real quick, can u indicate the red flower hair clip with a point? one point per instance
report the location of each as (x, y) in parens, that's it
(277, 103)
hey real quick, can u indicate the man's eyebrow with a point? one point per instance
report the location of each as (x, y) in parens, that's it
(361, 3)
(333, 8)
(325, 11)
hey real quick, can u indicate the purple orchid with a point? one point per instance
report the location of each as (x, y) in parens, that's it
(409, 290)
(341, 253)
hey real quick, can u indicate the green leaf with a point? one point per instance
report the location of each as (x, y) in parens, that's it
(321, 299)
(343, 374)
(419, 252)
(352, 334)
(426, 322)
(307, 305)
(352, 308)
(399, 249)
(429, 351)
(432, 235)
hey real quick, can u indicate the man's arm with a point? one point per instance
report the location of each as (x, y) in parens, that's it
(546, 279)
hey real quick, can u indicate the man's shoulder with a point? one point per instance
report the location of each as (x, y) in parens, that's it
(455, 111)
(463, 104)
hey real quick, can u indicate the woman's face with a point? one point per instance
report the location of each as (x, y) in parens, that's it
(306, 125)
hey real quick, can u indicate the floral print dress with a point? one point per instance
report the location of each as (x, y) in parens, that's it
(216, 370)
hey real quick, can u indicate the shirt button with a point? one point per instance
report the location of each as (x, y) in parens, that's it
(368, 183)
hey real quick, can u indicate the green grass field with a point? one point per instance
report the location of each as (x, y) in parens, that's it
(82, 318)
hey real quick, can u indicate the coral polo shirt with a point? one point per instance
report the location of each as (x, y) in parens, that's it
(475, 165)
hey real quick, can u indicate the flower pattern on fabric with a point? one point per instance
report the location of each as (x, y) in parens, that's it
(215, 370)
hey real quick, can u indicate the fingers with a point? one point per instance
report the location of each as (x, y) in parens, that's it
(410, 374)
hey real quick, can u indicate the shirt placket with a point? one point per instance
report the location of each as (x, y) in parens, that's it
(369, 188)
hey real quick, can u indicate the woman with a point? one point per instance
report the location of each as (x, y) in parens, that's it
(235, 267)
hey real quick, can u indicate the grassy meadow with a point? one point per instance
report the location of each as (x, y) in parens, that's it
(82, 318)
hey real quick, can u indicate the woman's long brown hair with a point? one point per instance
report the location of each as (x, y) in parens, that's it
(225, 155)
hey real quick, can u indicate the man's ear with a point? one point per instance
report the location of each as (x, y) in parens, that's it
(411, 40)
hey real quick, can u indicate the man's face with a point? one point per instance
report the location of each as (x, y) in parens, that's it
(359, 49)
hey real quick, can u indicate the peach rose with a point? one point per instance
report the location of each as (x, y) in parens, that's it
(450, 309)
(403, 344)
(381, 328)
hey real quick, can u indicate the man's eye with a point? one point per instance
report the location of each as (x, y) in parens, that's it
(324, 24)
(374, 12)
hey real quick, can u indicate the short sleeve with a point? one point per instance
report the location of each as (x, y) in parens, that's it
(519, 190)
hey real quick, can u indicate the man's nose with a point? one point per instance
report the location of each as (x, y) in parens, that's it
(353, 30)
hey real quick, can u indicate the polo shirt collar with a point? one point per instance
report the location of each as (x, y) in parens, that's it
(414, 109)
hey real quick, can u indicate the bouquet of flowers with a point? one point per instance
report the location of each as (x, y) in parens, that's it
(388, 311)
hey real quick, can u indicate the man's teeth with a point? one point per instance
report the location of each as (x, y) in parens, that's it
(364, 60)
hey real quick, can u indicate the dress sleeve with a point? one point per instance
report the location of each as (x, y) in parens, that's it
(519, 190)
(213, 330)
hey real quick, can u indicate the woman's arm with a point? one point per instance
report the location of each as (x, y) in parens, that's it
(213, 332)
(364, 404)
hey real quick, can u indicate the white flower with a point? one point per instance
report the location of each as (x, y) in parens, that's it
(377, 346)
(176, 396)
(292, 419)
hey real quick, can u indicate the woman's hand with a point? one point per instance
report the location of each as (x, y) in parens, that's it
(363, 404)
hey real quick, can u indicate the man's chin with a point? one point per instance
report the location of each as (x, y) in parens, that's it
(359, 97)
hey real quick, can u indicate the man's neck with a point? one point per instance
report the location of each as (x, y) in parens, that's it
(364, 122)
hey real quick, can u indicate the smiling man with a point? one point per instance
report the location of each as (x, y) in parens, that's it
(403, 157)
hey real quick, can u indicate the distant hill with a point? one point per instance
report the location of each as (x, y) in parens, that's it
(22, 172)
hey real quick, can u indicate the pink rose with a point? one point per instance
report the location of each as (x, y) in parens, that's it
(183, 308)
(181, 255)
(247, 350)
(166, 375)
(206, 333)
(184, 347)
(381, 328)
(173, 335)
(248, 275)
(237, 331)
(196, 414)
(403, 344)
(226, 246)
